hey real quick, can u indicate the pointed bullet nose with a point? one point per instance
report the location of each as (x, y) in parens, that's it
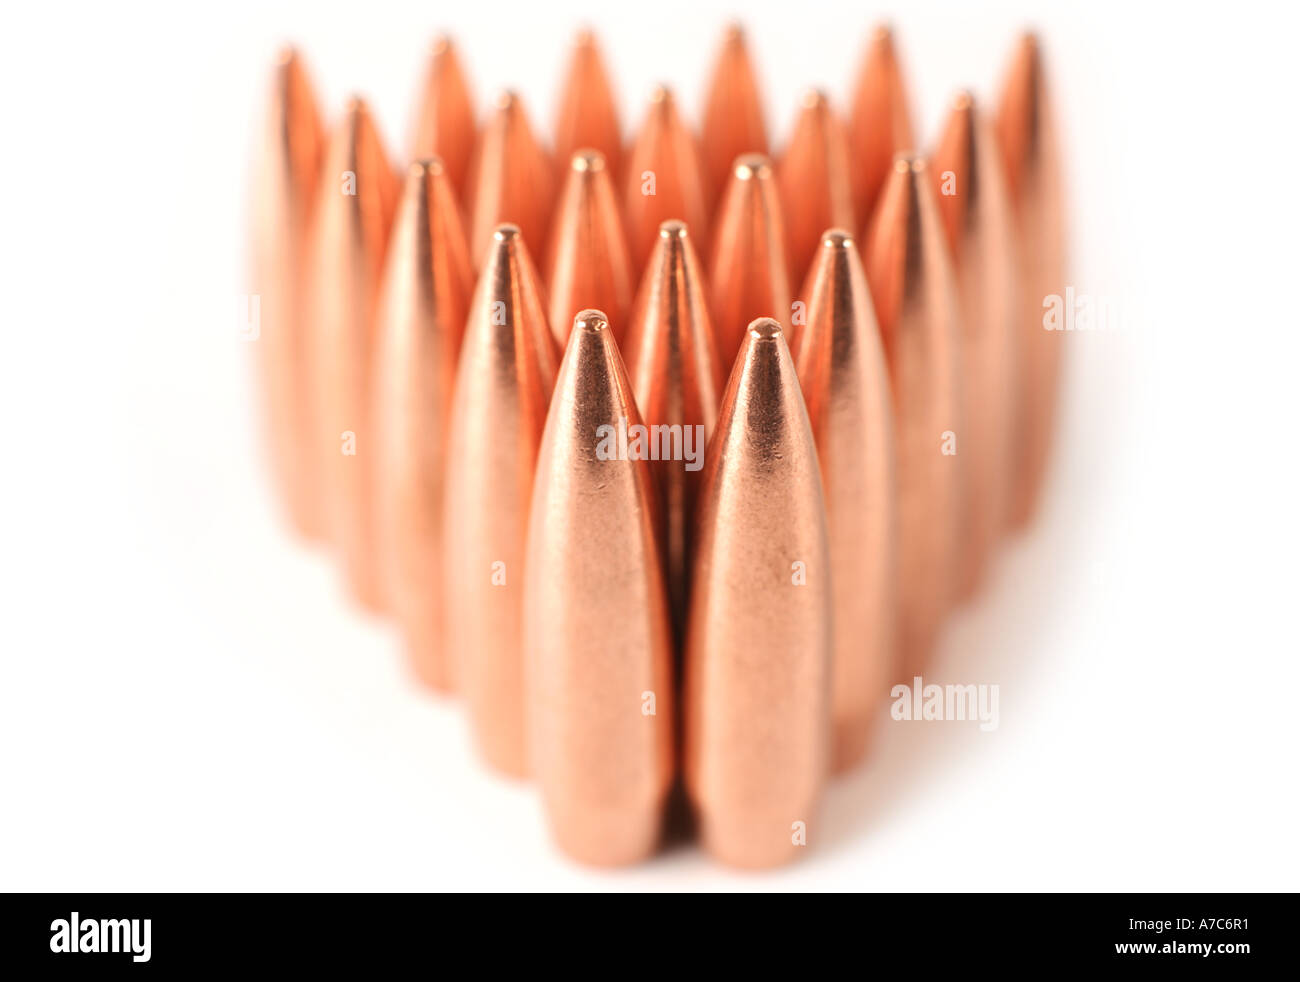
(354, 213)
(285, 197)
(597, 637)
(664, 179)
(677, 378)
(816, 191)
(587, 263)
(512, 179)
(587, 113)
(421, 314)
(911, 280)
(1027, 137)
(971, 193)
(503, 387)
(879, 120)
(748, 273)
(846, 386)
(444, 123)
(757, 666)
(732, 123)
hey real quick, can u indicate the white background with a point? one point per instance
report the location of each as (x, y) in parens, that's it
(188, 702)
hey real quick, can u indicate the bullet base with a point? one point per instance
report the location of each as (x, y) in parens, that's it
(617, 836)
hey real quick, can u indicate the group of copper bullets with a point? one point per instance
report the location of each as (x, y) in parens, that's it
(690, 500)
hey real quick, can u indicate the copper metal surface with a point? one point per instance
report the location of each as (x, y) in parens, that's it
(598, 645)
(915, 295)
(444, 124)
(357, 198)
(512, 179)
(748, 273)
(1027, 136)
(503, 387)
(845, 384)
(879, 122)
(587, 114)
(732, 123)
(813, 177)
(672, 361)
(966, 174)
(758, 651)
(427, 283)
(284, 197)
(663, 179)
(586, 262)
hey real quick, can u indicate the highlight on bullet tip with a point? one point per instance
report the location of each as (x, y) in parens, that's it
(674, 228)
(427, 165)
(590, 320)
(814, 98)
(908, 161)
(836, 238)
(764, 329)
(506, 232)
(751, 165)
(963, 100)
(661, 93)
(588, 160)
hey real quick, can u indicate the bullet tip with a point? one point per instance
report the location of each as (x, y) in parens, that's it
(432, 166)
(286, 56)
(441, 45)
(764, 329)
(507, 99)
(506, 233)
(883, 33)
(815, 98)
(908, 161)
(591, 321)
(836, 238)
(587, 160)
(963, 101)
(584, 38)
(661, 93)
(734, 32)
(674, 228)
(356, 106)
(753, 165)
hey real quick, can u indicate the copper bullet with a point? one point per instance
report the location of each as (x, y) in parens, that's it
(879, 122)
(1027, 135)
(354, 213)
(503, 387)
(512, 179)
(966, 174)
(598, 647)
(732, 123)
(284, 196)
(846, 387)
(813, 177)
(672, 361)
(444, 124)
(914, 290)
(426, 291)
(587, 264)
(587, 115)
(748, 274)
(663, 179)
(758, 650)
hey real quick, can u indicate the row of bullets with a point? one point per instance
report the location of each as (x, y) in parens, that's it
(510, 467)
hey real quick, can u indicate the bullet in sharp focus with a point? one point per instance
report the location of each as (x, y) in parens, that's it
(758, 650)
(444, 125)
(357, 199)
(587, 115)
(879, 122)
(507, 369)
(586, 263)
(663, 179)
(598, 645)
(426, 290)
(748, 274)
(845, 384)
(512, 178)
(912, 284)
(966, 173)
(732, 123)
(285, 195)
(1027, 136)
(672, 361)
(813, 176)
